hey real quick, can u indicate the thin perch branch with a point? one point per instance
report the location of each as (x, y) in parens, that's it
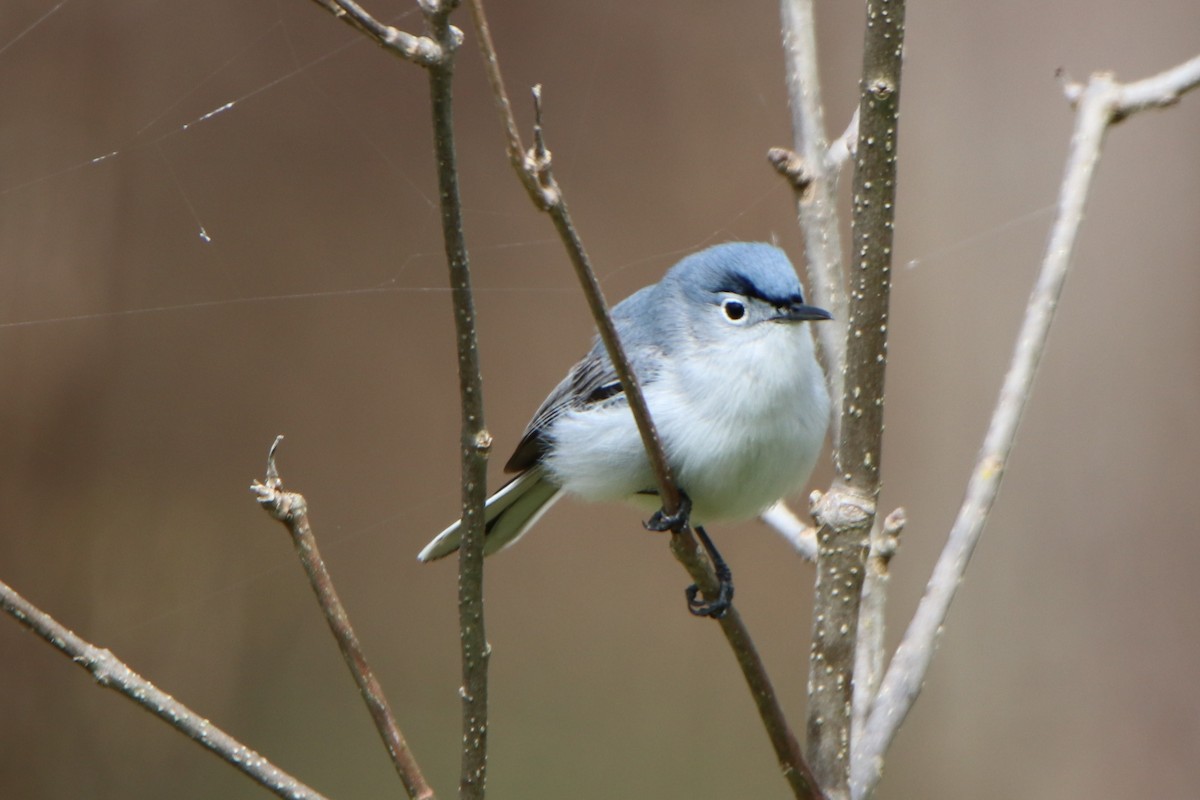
(556, 207)
(684, 545)
(534, 170)
(112, 673)
(291, 509)
(1101, 103)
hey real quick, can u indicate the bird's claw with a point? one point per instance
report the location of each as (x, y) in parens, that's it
(661, 521)
(720, 605)
(710, 608)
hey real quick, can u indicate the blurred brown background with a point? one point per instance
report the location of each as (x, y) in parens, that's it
(144, 372)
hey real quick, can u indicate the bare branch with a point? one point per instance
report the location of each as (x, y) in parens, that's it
(418, 49)
(868, 655)
(556, 206)
(787, 749)
(801, 536)
(816, 203)
(476, 441)
(291, 509)
(847, 512)
(1159, 91)
(534, 170)
(1100, 103)
(521, 161)
(112, 673)
(845, 146)
(436, 54)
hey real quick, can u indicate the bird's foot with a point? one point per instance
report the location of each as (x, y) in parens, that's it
(720, 605)
(662, 521)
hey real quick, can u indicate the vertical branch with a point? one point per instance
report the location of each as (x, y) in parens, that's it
(1101, 103)
(868, 651)
(847, 512)
(816, 203)
(476, 441)
(435, 52)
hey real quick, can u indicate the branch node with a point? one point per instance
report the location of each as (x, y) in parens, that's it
(269, 493)
(1071, 88)
(842, 508)
(887, 543)
(881, 88)
(538, 161)
(792, 167)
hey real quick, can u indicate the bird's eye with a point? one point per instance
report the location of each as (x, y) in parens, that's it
(734, 310)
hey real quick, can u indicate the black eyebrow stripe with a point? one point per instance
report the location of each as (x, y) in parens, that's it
(740, 284)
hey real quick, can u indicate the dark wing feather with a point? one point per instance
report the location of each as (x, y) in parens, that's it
(590, 381)
(593, 380)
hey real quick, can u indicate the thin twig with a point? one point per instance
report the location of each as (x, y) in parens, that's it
(436, 53)
(291, 509)
(556, 207)
(112, 673)
(418, 49)
(868, 654)
(802, 537)
(843, 148)
(787, 749)
(847, 512)
(816, 203)
(534, 169)
(520, 160)
(476, 441)
(1100, 103)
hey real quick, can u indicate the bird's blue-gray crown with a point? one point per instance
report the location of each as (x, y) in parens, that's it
(751, 269)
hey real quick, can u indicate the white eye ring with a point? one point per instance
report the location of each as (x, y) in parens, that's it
(735, 310)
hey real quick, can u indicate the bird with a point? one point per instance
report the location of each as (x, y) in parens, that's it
(732, 383)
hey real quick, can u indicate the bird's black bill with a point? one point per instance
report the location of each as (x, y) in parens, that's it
(798, 312)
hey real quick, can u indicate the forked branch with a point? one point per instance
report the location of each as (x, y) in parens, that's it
(1100, 103)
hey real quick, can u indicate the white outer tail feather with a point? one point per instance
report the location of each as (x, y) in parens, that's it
(507, 515)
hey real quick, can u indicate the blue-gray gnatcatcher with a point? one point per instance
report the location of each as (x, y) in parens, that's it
(732, 385)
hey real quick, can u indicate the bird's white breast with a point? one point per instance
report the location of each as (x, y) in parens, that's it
(742, 420)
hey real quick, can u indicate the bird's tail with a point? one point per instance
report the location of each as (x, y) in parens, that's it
(507, 515)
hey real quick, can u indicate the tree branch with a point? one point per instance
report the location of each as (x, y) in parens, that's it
(1100, 103)
(802, 537)
(112, 673)
(418, 49)
(476, 441)
(847, 511)
(534, 170)
(291, 509)
(436, 53)
(816, 198)
(868, 652)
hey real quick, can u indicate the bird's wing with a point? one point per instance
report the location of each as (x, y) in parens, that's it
(593, 380)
